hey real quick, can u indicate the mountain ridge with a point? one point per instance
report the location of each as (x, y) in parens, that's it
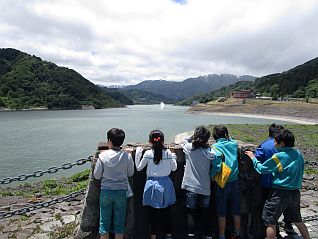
(188, 87)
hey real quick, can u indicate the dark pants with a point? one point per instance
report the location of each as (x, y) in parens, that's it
(159, 221)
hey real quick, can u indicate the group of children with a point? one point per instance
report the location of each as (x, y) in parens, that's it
(275, 157)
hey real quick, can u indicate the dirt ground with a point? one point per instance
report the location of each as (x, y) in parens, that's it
(261, 107)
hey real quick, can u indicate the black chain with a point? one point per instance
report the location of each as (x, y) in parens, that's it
(312, 163)
(310, 218)
(40, 173)
(42, 204)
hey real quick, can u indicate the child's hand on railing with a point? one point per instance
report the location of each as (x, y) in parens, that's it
(250, 154)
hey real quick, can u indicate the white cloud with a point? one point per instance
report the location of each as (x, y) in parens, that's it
(125, 42)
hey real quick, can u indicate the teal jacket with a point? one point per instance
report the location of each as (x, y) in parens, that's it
(287, 167)
(229, 148)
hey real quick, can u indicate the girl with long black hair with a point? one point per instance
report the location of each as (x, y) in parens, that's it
(159, 191)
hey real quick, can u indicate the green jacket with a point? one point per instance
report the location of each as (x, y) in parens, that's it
(229, 148)
(287, 167)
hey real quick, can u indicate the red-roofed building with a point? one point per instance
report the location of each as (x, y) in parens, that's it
(242, 94)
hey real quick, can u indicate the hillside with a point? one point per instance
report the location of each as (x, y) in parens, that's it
(28, 82)
(144, 97)
(213, 95)
(188, 87)
(136, 97)
(298, 82)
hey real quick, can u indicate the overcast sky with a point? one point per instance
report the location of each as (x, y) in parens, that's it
(127, 41)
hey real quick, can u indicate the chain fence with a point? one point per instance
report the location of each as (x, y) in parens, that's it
(311, 163)
(73, 195)
(40, 173)
(42, 204)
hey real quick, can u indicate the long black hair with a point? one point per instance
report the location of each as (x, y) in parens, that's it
(156, 138)
(200, 138)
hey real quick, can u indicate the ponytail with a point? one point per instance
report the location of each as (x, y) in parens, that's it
(156, 138)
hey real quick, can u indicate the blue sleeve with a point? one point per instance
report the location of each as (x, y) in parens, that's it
(259, 153)
(216, 166)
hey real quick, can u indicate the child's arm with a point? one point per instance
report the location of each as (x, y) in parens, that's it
(130, 166)
(173, 162)
(259, 153)
(271, 165)
(216, 166)
(140, 164)
(99, 168)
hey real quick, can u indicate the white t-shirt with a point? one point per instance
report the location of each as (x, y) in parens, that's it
(163, 168)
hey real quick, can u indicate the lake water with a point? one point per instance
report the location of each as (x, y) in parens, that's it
(37, 140)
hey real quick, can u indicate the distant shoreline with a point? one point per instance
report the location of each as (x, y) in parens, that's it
(297, 120)
(294, 112)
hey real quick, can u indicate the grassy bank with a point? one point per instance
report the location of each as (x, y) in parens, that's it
(306, 136)
(49, 187)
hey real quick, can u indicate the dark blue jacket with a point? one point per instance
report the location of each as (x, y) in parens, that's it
(262, 153)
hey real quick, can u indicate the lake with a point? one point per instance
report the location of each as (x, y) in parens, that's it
(37, 140)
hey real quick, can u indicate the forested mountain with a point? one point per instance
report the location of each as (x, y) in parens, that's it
(144, 97)
(136, 97)
(188, 87)
(27, 82)
(117, 95)
(213, 95)
(301, 81)
(298, 82)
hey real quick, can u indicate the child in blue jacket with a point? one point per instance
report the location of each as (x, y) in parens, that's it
(230, 194)
(287, 167)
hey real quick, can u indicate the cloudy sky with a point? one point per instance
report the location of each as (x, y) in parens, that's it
(127, 41)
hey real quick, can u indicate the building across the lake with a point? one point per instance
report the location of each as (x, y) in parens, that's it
(242, 94)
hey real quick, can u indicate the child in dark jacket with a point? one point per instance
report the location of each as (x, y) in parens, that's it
(287, 167)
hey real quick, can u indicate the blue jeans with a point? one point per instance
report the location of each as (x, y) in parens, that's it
(113, 204)
(193, 200)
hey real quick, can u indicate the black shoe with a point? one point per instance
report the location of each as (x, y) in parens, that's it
(279, 236)
(289, 229)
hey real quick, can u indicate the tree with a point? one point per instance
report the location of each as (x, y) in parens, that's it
(299, 94)
(274, 90)
(2, 104)
(312, 89)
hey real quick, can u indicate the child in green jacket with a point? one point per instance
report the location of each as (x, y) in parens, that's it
(228, 198)
(287, 167)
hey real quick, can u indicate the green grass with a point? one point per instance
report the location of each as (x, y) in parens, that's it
(82, 176)
(63, 232)
(50, 187)
(306, 136)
